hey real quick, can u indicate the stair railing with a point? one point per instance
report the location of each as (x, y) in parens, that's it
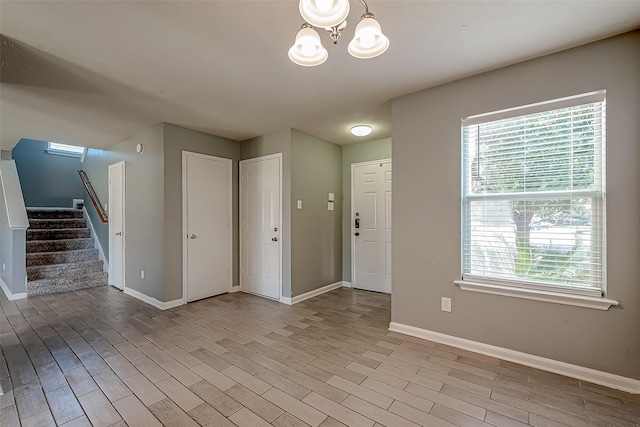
(102, 213)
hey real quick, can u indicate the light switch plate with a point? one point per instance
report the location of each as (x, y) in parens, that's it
(299, 204)
(330, 206)
(332, 197)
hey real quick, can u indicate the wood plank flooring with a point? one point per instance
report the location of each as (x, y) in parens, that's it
(100, 357)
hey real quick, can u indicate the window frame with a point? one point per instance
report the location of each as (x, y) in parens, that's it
(60, 149)
(590, 297)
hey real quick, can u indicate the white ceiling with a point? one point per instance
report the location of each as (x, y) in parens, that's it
(96, 72)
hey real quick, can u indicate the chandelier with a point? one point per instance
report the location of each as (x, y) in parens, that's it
(368, 40)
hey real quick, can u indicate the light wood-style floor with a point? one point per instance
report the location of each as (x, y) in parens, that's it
(101, 357)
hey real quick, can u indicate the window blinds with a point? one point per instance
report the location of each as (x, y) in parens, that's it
(533, 196)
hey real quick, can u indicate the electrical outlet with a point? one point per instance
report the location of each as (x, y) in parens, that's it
(445, 304)
(142, 274)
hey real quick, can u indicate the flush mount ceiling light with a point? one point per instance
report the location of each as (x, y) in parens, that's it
(368, 41)
(361, 130)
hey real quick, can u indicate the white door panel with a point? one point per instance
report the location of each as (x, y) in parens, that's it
(260, 212)
(116, 224)
(371, 198)
(207, 215)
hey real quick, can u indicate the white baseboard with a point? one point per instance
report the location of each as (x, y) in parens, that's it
(7, 292)
(152, 301)
(347, 284)
(606, 379)
(311, 294)
(96, 242)
(236, 288)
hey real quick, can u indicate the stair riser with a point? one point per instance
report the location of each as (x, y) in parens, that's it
(48, 224)
(54, 213)
(63, 270)
(59, 245)
(52, 286)
(58, 234)
(61, 257)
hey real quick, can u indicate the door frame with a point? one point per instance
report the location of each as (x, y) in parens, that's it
(242, 261)
(229, 162)
(124, 234)
(352, 213)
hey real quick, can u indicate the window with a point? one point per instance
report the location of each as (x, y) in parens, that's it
(65, 149)
(533, 197)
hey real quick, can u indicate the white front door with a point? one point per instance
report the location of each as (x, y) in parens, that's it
(371, 225)
(260, 225)
(116, 224)
(207, 250)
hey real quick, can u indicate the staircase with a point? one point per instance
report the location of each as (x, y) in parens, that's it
(60, 253)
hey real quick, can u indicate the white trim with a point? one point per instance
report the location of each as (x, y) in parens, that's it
(124, 223)
(235, 288)
(152, 301)
(538, 295)
(7, 292)
(351, 217)
(96, 242)
(229, 164)
(606, 379)
(347, 284)
(311, 294)
(281, 179)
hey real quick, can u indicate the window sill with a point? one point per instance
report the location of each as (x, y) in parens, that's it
(537, 295)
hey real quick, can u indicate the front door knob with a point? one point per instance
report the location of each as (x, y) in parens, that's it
(192, 236)
(275, 239)
(119, 233)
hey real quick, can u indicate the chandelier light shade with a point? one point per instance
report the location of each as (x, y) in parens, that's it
(307, 49)
(324, 13)
(368, 41)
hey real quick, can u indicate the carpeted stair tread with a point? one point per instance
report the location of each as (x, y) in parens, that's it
(66, 284)
(46, 258)
(60, 252)
(57, 213)
(47, 224)
(58, 234)
(51, 271)
(59, 245)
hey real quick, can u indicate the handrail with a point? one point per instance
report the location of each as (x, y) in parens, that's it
(12, 193)
(93, 196)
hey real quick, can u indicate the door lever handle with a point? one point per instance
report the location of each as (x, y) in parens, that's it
(275, 239)
(192, 236)
(119, 233)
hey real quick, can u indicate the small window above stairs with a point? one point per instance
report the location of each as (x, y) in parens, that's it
(60, 252)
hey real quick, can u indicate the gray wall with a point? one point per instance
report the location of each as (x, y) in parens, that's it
(177, 139)
(356, 153)
(144, 206)
(96, 164)
(426, 209)
(316, 232)
(48, 180)
(5, 155)
(273, 143)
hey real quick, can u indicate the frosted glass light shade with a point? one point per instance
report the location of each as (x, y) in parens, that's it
(368, 41)
(361, 130)
(324, 13)
(307, 49)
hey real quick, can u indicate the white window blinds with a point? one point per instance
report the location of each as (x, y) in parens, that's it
(533, 196)
(69, 150)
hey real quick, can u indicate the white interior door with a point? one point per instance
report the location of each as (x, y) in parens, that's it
(371, 225)
(207, 263)
(116, 224)
(260, 225)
